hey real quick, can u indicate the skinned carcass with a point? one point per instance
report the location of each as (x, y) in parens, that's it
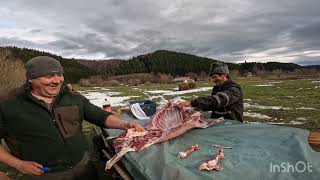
(170, 122)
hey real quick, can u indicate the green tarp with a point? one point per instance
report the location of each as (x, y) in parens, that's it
(258, 151)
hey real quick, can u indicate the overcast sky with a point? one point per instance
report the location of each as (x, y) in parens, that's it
(228, 30)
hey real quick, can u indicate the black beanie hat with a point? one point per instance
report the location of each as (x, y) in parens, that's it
(42, 66)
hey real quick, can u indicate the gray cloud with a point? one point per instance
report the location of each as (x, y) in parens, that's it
(17, 42)
(307, 61)
(307, 35)
(229, 30)
(35, 31)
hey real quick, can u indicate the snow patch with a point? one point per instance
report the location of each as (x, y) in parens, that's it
(158, 91)
(113, 93)
(187, 91)
(97, 98)
(301, 119)
(256, 115)
(257, 106)
(284, 123)
(263, 85)
(306, 108)
(100, 88)
(161, 98)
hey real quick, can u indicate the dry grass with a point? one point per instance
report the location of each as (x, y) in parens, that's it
(12, 72)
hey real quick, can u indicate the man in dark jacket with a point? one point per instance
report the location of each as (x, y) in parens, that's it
(226, 99)
(42, 124)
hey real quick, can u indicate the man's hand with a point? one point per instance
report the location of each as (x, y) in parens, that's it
(29, 167)
(25, 167)
(184, 104)
(136, 126)
(115, 122)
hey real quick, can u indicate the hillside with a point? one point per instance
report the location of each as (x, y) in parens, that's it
(74, 71)
(161, 61)
(255, 67)
(167, 62)
(179, 64)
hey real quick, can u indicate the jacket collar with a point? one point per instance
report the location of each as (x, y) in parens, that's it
(27, 90)
(227, 82)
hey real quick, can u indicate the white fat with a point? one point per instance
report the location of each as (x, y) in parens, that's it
(133, 133)
(182, 155)
(212, 162)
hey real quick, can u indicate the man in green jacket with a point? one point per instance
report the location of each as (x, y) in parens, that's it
(42, 124)
(226, 99)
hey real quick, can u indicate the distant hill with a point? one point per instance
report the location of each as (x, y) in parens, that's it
(102, 66)
(161, 61)
(167, 62)
(317, 67)
(74, 71)
(268, 67)
(179, 64)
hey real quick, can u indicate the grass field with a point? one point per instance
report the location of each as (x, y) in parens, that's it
(281, 102)
(285, 101)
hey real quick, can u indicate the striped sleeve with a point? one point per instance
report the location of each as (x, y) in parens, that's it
(220, 99)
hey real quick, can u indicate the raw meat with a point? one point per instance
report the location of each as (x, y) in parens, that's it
(170, 122)
(190, 150)
(213, 163)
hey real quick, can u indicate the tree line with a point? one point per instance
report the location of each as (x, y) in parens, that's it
(161, 61)
(73, 71)
(180, 64)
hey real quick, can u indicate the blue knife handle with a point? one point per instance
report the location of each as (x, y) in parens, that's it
(45, 169)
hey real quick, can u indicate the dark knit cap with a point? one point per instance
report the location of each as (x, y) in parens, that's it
(220, 69)
(42, 66)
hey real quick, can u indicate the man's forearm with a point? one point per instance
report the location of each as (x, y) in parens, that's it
(205, 103)
(114, 122)
(7, 158)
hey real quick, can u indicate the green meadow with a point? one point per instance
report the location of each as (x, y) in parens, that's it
(275, 101)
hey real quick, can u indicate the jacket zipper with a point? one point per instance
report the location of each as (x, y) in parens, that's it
(51, 113)
(54, 120)
(64, 129)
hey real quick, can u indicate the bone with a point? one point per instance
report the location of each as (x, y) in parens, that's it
(212, 164)
(187, 152)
